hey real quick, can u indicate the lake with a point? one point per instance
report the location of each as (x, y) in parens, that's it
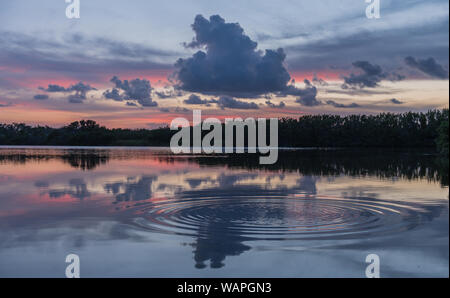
(143, 212)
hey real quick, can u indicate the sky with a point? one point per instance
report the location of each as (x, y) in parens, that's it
(142, 63)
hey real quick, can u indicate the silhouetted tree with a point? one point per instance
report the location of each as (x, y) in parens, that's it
(385, 130)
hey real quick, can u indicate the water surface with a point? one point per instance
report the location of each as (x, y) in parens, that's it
(142, 212)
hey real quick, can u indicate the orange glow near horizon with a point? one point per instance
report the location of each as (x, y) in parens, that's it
(327, 75)
(156, 77)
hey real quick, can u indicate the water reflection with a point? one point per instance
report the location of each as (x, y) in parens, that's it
(139, 189)
(87, 159)
(219, 205)
(76, 188)
(412, 164)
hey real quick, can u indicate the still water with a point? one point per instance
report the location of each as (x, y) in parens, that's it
(142, 212)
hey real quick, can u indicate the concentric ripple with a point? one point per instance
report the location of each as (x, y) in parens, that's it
(279, 217)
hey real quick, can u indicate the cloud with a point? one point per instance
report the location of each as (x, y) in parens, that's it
(230, 63)
(170, 93)
(80, 89)
(308, 101)
(340, 105)
(231, 103)
(76, 98)
(125, 49)
(223, 102)
(113, 94)
(319, 54)
(181, 110)
(175, 110)
(40, 96)
(80, 92)
(359, 92)
(277, 106)
(77, 57)
(138, 90)
(306, 96)
(371, 76)
(428, 66)
(5, 105)
(196, 100)
(319, 81)
(54, 88)
(395, 101)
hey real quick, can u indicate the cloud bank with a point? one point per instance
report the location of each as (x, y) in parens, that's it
(370, 76)
(81, 89)
(428, 66)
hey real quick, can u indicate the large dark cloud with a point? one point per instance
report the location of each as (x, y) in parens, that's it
(80, 90)
(138, 90)
(231, 63)
(370, 76)
(428, 66)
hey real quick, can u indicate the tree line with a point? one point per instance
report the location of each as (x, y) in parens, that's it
(385, 130)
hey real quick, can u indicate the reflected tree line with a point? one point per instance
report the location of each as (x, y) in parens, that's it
(220, 234)
(80, 159)
(382, 163)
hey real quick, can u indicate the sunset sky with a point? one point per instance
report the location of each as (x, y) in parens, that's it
(143, 63)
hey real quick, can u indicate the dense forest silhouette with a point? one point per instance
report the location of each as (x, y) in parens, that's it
(385, 130)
